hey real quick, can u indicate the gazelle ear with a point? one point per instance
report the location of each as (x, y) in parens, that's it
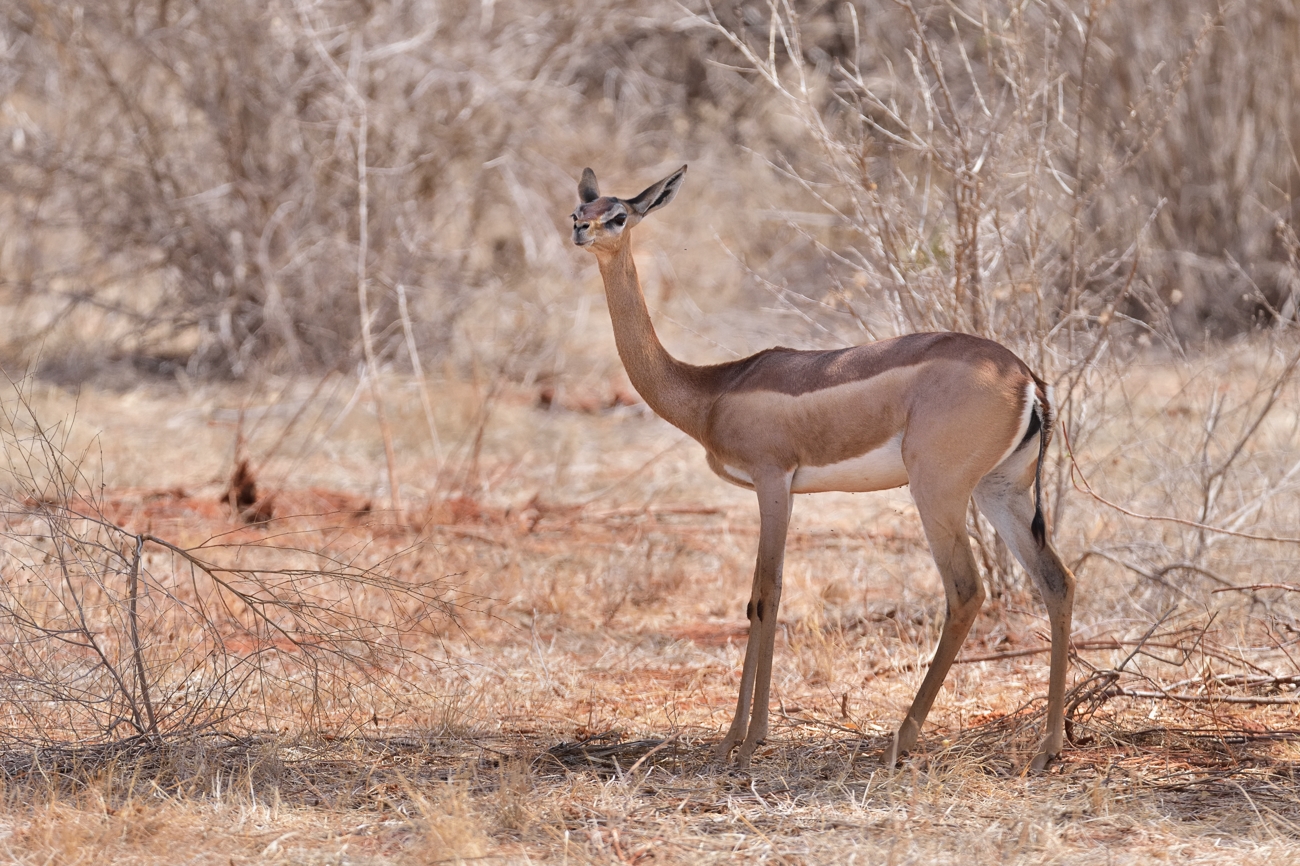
(587, 189)
(659, 194)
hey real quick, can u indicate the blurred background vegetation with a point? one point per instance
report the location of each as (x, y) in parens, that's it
(207, 189)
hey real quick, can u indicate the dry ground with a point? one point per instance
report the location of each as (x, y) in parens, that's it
(566, 716)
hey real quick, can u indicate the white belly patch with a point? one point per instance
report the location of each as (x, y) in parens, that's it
(879, 469)
(735, 476)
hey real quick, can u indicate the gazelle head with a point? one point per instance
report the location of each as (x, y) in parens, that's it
(601, 223)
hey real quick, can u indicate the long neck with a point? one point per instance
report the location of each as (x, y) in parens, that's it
(674, 390)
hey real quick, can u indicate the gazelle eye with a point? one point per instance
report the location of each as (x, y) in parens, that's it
(618, 221)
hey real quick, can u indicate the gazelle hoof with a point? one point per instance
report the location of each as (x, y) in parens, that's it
(745, 753)
(1048, 751)
(1040, 762)
(903, 741)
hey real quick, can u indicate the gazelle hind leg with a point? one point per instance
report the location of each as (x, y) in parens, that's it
(1010, 508)
(943, 514)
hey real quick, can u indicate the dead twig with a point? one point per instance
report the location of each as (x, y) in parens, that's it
(1289, 587)
(1084, 486)
(1250, 700)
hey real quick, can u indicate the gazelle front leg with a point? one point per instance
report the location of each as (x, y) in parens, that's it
(740, 722)
(774, 506)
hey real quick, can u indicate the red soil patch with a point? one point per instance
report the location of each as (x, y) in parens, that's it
(710, 634)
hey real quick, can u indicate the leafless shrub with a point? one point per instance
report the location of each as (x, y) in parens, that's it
(187, 179)
(997, 167)
(204, 185)
(1206, 477)
(114, 633)
(1221, 164)
(973, 161)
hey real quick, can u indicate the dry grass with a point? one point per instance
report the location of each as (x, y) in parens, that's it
(567, 717)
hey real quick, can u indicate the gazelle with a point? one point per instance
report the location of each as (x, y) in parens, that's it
(951, 415)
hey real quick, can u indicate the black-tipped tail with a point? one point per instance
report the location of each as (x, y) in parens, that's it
(1043, 415)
